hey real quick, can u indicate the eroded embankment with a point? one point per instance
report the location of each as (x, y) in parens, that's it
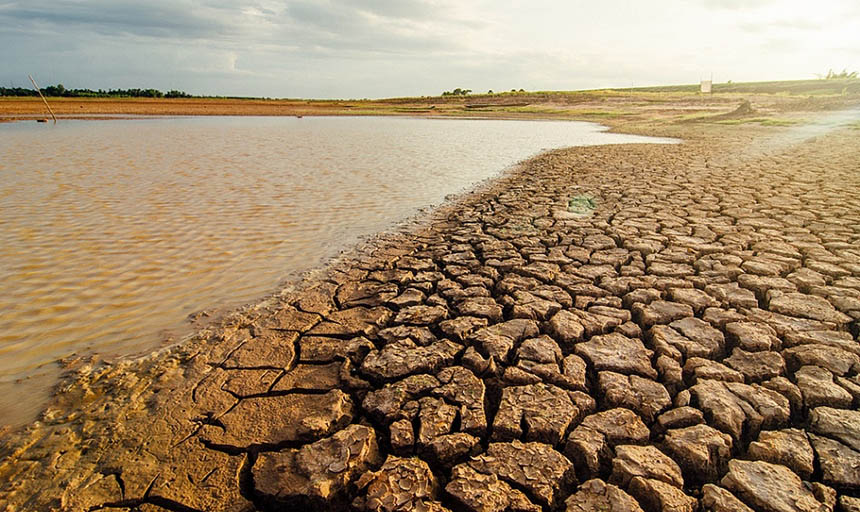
(691, 344)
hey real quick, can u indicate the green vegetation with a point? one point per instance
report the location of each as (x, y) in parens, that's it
(765, 121)
(59, 91)
(581, 205)
(457, 92)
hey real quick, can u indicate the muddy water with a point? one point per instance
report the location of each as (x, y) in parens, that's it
(113, 232)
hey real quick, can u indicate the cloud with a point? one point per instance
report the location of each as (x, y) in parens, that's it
(736, 4)
(154, 19)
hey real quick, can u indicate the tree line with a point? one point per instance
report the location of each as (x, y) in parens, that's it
(58, 90)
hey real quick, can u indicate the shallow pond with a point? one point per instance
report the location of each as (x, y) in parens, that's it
(113, 232)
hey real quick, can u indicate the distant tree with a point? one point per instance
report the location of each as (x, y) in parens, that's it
(490, 91)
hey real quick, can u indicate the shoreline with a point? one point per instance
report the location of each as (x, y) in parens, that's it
(126, 392)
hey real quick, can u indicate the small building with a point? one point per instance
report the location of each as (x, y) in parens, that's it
(706, 86)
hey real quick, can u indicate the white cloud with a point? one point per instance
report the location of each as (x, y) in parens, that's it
(374, 48)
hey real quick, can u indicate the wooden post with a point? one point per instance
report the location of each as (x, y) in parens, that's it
(43, 98)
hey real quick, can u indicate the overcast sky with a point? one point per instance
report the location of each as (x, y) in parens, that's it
(385, 48)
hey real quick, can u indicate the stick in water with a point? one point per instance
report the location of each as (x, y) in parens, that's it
(43, 98)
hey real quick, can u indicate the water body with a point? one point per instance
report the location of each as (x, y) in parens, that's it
(112, 232)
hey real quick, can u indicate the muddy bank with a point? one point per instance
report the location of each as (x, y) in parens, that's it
(691, 342)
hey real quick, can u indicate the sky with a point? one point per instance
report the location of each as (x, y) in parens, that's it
(389, 48)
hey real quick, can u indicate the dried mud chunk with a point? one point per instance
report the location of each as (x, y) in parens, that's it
(420, 335)
(702, 334)
(669, 342)
(696, 299)
(700, 450)
(658, 496)
(590, 444)
(269, 421)
(721, 317)
(410, 297)
(618, 353)
(542, 349)
(566, 327)
(680, 417)
(837, 339)
(717, 499)
(785, 325)
(273, 349)
(400, 485)
(806, 278)
(818, 388)
(544, 410)
(479, 492)
(460, 328)
(740, 409)
(671, 374)
(404, 357)
(596, 495)
(536, 467)
(320, 349)
(498, 340)
(289, 318)
(533, 307)
(642, 295)
(317, 474)
(733, 296)
(435, 419)
(808, 306)
(387, 403)
(450, 448)
(834, 359)
(770, 487)
(459, 385)
(752, 336)
(697, 368)
(756, 366)
(659, 268)
(484, 307)
(849, 504)
(402, 436)
(366, 293)
(646, 397)
(660, 312)
(356, 321)
(633, 461)
(788, 447)
(421, 315)
(840, 424)
(311, 377)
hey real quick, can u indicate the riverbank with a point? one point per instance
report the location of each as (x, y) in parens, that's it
(521, 343)
(776, 102)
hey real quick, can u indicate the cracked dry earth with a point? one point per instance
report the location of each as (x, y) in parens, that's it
(692, 345)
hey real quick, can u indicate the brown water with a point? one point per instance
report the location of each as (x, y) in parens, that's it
(113, 231)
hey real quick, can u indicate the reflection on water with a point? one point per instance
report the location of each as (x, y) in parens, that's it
(111, 231)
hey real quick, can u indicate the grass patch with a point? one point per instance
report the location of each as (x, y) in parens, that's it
(581, 205)
(779, 122)
(764, 121)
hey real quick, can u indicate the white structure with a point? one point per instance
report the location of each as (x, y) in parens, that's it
(706, 86)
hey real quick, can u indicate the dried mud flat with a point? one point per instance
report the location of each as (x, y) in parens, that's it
(690, 345)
